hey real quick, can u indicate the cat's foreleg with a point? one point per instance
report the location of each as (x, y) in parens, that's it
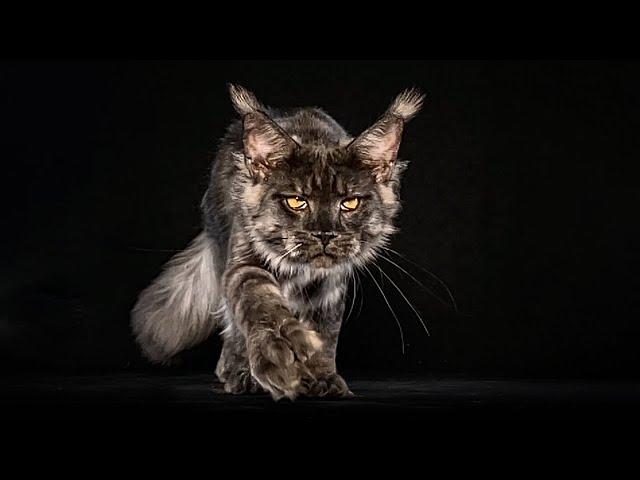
(278, 344)
(324, 379)
(233, 366)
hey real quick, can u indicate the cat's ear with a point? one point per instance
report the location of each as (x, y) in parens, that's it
(266, 145)
(377, 147)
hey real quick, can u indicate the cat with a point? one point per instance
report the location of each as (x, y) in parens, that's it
(294, 205)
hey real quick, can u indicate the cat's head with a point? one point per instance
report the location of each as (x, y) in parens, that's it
(313, 195)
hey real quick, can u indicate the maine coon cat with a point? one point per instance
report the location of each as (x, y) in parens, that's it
(294, 205)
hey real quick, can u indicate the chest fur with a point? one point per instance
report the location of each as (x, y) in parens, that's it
(311, 297)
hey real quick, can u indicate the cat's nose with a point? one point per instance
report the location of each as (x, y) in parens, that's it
(325, 237)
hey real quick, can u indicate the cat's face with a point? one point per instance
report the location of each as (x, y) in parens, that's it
(328, 204)
(322, 208)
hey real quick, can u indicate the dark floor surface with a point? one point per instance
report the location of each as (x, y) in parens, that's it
(198, 396)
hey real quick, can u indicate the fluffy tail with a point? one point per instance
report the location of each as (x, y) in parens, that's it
(178, 310)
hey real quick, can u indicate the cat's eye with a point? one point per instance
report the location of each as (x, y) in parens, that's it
(350, 204)
(296, 203)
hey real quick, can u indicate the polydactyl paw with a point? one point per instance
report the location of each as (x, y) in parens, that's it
(277, 356)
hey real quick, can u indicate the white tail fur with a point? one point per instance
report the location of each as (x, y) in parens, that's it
(178, 309)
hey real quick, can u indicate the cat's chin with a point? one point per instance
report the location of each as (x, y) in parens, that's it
(323, 261)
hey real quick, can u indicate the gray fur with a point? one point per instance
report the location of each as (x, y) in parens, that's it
(278, 276)
(178, 309)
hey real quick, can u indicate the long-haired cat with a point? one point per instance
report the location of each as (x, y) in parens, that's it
(294, 205)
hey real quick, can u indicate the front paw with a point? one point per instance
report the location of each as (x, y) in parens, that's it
(241, 381)
(277, 356)
(329, 385)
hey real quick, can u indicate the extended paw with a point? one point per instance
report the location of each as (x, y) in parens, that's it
(330, 385)
(277, 357)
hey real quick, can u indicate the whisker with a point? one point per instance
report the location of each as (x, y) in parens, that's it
(359, 285)
(431, 274)
(405, 299)
(353, 297)
(382, 281)
(388, 305)
(418, 282)
(292, 249)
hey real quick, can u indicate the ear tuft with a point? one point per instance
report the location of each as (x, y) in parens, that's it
(407, 104)
(377, 147)
(243, 100)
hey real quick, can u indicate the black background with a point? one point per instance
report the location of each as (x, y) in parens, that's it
(520, 196)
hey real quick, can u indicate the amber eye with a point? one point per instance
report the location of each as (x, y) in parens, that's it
(350, 204)
(296, 203)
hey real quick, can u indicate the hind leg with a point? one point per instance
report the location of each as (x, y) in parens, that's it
(233, 367)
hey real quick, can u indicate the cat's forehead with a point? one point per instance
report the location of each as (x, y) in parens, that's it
(321, 170)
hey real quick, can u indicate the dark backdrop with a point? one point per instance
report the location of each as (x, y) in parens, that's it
(519, 197)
